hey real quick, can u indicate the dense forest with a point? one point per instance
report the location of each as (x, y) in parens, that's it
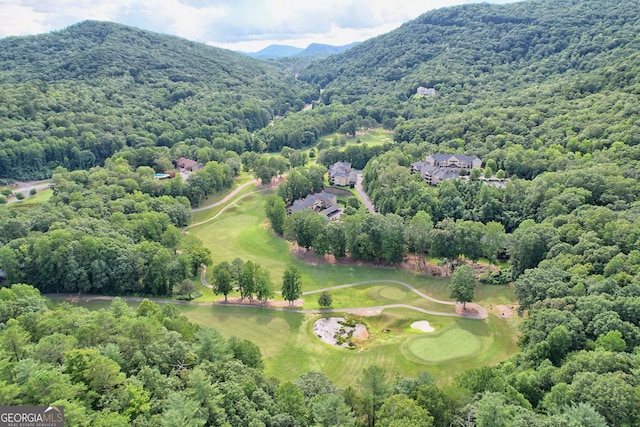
(74, 97)
(545, 92)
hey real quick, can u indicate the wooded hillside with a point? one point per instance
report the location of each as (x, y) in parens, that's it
(74, 97)
(545, 92)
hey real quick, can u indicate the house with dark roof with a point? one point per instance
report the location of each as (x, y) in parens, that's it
(318, 202)
(340, 173)
(441, 167)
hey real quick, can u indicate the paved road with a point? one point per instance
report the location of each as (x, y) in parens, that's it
(365, 198)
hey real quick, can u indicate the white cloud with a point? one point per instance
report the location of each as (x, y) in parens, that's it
(235, 24)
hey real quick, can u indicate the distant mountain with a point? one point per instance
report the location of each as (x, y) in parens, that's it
(276, 51)
(93, 49)
(325, 49)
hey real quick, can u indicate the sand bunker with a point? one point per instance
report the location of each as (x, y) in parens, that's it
(334, 331)
(423, 325)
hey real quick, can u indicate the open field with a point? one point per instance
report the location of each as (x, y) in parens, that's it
(371, 137)
(31, 201)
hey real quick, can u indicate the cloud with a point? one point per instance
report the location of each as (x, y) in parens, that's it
(225, 23)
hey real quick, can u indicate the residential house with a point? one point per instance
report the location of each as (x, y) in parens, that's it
(318, 202)
(187, 164)
(340, 173)
(441, 167)
(426, 91)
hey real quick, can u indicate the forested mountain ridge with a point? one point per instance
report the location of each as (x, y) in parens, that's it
(93, 49)
(532, 74)
(532, 38)
(73, 97)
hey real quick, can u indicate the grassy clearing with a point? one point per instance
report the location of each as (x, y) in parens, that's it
(371, 137)
(32, 201)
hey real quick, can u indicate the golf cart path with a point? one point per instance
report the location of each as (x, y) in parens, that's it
(481, 312)
(76, 297)
(226, 198)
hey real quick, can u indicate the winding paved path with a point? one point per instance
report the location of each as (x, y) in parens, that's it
(481, 312)
(221, 210)
(226, 198)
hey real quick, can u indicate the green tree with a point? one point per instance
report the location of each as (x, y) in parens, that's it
(374, 389)
(494, 240)
(329, 410)
(14, 340)
(236, 271)
(611, 341)
(263, 283)
(291, 284)
(247, 352)
(182, 411)
(462, 284)
(247, 280)
(325, 300)
(222, 279)
(417, 232)
(443, 240)
(400, 410)
(290, 400)
(276, 212)
(469, 236)
(529, 244)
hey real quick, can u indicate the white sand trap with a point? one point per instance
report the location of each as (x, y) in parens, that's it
(423, 325)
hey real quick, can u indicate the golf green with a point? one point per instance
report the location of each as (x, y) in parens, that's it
(450, 344)
(392, 293)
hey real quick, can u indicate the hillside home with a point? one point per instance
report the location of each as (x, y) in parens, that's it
(426, 91)
(187, 164)
(340, 173)
(441, 167)
(319, 202)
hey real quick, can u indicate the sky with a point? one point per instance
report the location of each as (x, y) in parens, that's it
(244, 25)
